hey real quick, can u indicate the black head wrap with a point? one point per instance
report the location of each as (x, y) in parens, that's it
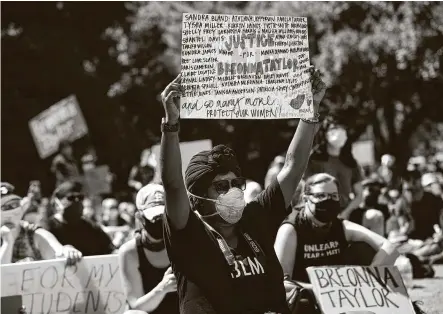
(206, 165)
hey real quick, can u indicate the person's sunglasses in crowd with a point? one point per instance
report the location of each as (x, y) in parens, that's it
(320, 197)
(223, 186)
(75, 197)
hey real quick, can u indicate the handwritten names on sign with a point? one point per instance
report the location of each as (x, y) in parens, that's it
(343, 289)
(245, 67)
(92, 286)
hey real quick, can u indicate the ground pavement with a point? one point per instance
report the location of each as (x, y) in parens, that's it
(430, 292)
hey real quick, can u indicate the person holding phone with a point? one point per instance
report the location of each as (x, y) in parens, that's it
(221, 249)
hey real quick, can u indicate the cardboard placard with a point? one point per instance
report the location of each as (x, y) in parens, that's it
(94, 285)
(63, 120)
(245, 67)
(359, 289)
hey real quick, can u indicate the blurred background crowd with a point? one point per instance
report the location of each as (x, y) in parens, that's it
(406, 206)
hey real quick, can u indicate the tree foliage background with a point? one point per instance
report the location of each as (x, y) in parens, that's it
(382, 62)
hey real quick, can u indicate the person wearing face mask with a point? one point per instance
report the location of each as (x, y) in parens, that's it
(6, 188)
(333, 155)
(148, 281)
(221, 249)
(24, 242)
(69, 225)
(431, 184)
(315, 236)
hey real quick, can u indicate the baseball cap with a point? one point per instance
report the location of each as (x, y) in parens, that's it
(10, 201)
(67, 188)
(428, 178)
(151, 200)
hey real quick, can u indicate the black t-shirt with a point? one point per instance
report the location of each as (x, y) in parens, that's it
(85, 235)
(206, 282)
(316, 247)
(426, 213)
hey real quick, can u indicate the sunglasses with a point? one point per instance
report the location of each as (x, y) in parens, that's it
(320, 197)
(75, 197)
(223, 186)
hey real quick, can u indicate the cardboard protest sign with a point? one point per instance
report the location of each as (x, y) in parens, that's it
(63, 120)
(92, 286)
(187, 149)
(96, 180)
(358, 289)
(245, 67)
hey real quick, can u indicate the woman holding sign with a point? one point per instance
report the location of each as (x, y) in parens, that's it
(24, 242)
(315, 236)
(221, 249)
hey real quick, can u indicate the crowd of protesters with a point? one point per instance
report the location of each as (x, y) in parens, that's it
(215, 242)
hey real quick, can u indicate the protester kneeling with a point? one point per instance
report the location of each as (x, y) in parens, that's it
(23, 242)
(221, 248)
(149, 284)
(315, 236)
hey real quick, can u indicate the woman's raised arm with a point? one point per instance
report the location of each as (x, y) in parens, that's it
(177, 202)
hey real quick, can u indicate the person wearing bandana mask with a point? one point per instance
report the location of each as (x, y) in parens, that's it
(333, 155)
(220, 247)
(149, 284)
(24, 242)
(69, 225)
(315, 236)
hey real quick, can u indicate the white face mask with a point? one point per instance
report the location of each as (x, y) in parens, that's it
(229, 206)
(337, 137)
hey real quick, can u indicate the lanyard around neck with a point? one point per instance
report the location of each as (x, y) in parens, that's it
(224, 247)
